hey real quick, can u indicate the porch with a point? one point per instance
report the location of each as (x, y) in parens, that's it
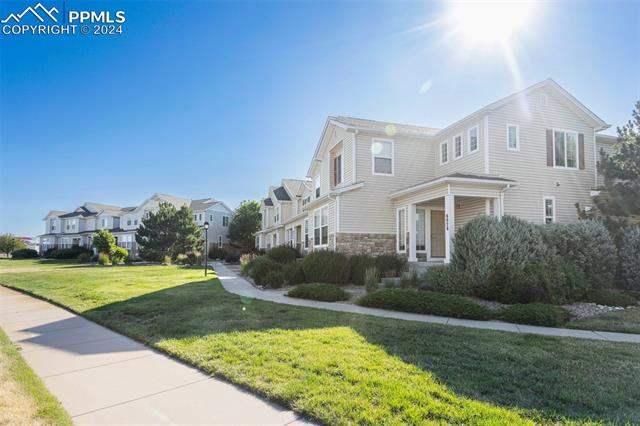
(428, 214)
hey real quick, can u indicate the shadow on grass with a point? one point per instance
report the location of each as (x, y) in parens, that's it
(229, 335)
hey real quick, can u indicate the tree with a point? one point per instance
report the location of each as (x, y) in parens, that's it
(103, 241)
(169, 232)
(618, 203)
(9, 243)
(245, 223)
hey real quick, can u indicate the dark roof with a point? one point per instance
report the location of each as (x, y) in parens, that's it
(203, 203)
(268, 202)
(74, 214)
(281, 194)
(128, 209)
(69, 234)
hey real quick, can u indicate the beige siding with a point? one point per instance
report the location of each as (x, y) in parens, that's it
(528, 166)
(468, 208)
(470, 162)
(368, 209)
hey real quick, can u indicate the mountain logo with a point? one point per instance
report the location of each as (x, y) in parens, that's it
(33, 11)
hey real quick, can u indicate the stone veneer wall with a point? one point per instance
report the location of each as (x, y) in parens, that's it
(374, 244)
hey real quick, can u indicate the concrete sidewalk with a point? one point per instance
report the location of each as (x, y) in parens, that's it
(234, 283)
(102, 377)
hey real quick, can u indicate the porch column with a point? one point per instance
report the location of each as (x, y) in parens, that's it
(412, 233)
(449, 224)
(497, 207)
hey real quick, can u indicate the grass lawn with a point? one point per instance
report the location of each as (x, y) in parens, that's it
(627, 321)
(343, 368)
(23, 398)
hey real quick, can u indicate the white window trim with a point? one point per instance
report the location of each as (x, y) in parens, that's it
(399, 211)
(333, 161)
(459, 135)
(477, 128)
(373, 157)
(444, 142)
(553, 138)
(320, 227)
(517, 148)
(544, 208)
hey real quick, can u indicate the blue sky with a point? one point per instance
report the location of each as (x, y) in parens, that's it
(205, 98)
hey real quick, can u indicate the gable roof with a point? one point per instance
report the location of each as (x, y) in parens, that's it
(281, 194)
(267, 202)
(203, 203)
(599, 123)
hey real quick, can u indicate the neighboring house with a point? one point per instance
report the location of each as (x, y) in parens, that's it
(31, 243)
(65, 230)
(378, 187)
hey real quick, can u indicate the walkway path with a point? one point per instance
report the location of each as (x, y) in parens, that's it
(102, 377)
(234, 283)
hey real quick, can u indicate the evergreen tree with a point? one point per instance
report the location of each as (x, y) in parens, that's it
(189, 235)
(618, 203)
(245, 223)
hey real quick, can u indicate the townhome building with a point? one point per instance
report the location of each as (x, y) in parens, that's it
(379, 187)
(76, 228)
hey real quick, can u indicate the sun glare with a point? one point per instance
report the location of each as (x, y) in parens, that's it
(489, 22)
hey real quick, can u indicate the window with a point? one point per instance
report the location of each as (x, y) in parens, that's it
(444, 152)
(195, 216)
(306, 200)
(200, 217)
(316, 184)
(276, 217)
(382, 155)
(565, 149)
(225, 221)
(549, 207)
(473, 139)
(219, 240)
(513, 137)
(401, 245)
(337, 170)
(290, 237)
(457, 147)
(320, 227)
(53, 224)
(74, 223)
(306, 233)
(210, 219)
(68, 225)
(129, 221)
(104, 222)
(135, 221)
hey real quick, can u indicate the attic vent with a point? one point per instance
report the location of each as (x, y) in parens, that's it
(543, 100)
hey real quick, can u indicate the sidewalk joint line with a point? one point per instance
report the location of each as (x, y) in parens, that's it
(96, 366)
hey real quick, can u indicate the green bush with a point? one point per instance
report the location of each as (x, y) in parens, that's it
(283, 254)
(216, 253)
(119, 255)
(536, 314)
(426, 302)
(410, 279)
(166, 260)
(182, 259)
(446, 279)
(232, 256)
(103, 240)
(390, 265)
(260, 267)
(103, 259)
(246, 260)
(84, 258)
(274, 279)
(610, 297)
(68, 253)
(326, 266)
(24, 254)
(630, 258)
(319, 291)
(358, 264)
(588, 246)
(293, 273)
(371, 279)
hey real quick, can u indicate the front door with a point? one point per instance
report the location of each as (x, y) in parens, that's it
(437, 233)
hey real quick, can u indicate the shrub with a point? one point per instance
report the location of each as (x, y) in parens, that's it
(47, 252)
(390, 265)
(426, 302)
(630, 258)
(536, 314)
(588, 246)
(371, 279)
(445, 279)
(103, 240)
(119, 255)
(358, 264)
(410, 279)
(84, 258)
(274, 279)
(194, 257)
(68, 253)
(24, 254)
(103, 259)
(546, 281)
(293, 273)
(182, 259)
(260, 267)
(319, 291)
(232, 256)
(610, 297)
(216, 253)
(246, 261)
(166, 260)
(283, 254)
(326, 267)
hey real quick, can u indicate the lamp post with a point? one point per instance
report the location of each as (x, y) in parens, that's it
(206, 247)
